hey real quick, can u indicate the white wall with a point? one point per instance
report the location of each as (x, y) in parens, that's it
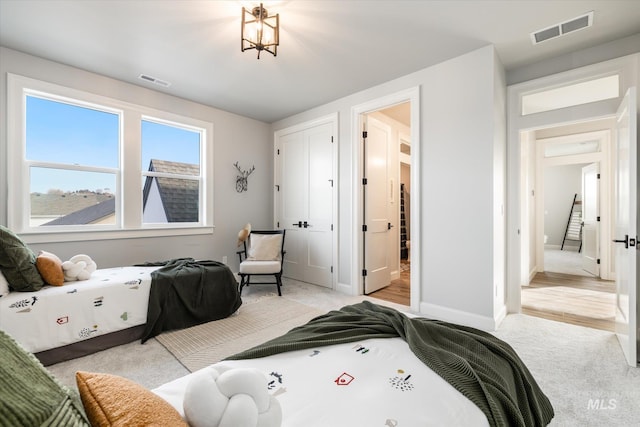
(561, 183)
(462, 161)
(236, 138)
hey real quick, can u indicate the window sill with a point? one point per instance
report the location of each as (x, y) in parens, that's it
(63, 237)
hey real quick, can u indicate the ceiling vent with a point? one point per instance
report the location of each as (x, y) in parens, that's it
(153, 80)
(563, 28)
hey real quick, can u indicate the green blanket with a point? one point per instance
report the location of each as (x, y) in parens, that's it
(482, 367)
(29, 395)
(185, 292)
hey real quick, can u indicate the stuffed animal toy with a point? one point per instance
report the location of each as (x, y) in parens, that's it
(244, 233)
(230, 397)
(79, 267)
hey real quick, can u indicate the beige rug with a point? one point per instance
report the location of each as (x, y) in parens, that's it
(566, 300)
(255, 323)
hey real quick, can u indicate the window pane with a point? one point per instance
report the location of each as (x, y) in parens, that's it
(64, 133)
(571, 95)
(64, 197)
(170, 143)
(168, 200)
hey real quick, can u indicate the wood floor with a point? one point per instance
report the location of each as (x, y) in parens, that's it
(399, 290)
(578, 300)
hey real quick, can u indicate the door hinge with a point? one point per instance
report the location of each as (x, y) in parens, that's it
(278, 151)
(331, 138)
(278, 224)
(277, 187)
(364, 272)
(364, 227)
(332, 268)
(598, 219)
(364, 181)
(598, 261)
(598, 176)
(331, 227)
(364, 133)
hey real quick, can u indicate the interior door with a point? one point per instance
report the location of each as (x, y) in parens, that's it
(376, 205)
(306, 203)
(625, 227)
(320, 206)
(292, 206)
(590, 225)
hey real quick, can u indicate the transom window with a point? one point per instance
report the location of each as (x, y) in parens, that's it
(81, 162)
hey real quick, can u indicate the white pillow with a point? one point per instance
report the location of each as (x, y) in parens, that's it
(264, 247)
(4, 285)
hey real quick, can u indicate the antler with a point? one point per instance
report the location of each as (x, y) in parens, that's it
(244, 173)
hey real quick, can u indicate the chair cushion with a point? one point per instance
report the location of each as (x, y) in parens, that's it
(264, 247)
(259, 267)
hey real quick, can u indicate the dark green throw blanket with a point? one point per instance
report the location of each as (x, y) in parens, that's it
(186, 292)
(482, 367)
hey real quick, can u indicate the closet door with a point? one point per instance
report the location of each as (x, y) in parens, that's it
(306, 203)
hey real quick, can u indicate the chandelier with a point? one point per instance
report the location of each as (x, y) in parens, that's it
(260, 31)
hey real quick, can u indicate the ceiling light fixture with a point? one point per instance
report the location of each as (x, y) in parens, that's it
(260, 31)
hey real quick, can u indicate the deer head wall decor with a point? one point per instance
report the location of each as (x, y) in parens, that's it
(241, 180)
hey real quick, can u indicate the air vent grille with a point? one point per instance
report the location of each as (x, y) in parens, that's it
(154, 80)
(563, 28)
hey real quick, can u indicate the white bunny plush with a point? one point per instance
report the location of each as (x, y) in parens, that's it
(79, 267)
(219, 397)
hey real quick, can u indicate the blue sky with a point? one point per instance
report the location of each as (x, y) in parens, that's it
(68, 134)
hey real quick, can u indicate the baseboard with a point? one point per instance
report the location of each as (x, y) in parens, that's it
(462, 317)
(344, 288)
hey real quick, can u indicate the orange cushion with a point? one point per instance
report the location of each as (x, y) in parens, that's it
(110, 400)
(50, 268)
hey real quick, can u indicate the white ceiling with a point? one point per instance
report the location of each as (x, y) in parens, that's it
(328, 49)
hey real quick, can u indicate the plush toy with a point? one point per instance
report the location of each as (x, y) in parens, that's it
(244, 233)
(79, 267)
(230, 397)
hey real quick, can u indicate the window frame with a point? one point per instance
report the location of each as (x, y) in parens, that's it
(129, 222)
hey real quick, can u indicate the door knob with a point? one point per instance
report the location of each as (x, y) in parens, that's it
(625, 241)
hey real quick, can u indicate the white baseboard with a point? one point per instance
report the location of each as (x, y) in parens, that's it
(344, 288)
(459, 317)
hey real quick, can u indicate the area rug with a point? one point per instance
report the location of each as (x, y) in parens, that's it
(566, 300)
(254, 323)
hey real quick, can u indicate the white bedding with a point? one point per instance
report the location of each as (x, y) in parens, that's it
(376, 382)
(111, 300)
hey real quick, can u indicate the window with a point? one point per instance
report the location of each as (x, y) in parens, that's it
(76, 161)
(72, 160)
(571, 95)
(171, 173)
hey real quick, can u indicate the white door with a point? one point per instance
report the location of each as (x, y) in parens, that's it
(376, 205)
(305, 207)
(625, 227)
(590, 224)
(292, 207)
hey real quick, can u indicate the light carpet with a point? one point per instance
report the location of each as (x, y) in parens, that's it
(255, 322)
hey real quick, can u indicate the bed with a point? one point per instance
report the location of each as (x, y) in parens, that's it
(118, 305)
(367, 365)
(113, 299)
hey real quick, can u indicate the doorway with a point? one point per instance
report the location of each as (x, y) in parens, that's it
(568, 187)
(392, 189)
(404, 136)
